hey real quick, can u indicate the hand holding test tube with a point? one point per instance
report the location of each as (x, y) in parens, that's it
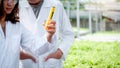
(52, 10)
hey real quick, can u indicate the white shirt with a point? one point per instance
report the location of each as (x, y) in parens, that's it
(16, 36)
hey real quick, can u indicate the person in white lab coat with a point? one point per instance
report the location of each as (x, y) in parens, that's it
(13, 35)
(36, 12)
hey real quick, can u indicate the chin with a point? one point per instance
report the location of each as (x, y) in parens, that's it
(8, 12)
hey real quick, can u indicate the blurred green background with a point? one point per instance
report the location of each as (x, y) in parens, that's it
(96, 24)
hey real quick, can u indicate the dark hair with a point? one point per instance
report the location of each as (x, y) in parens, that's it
(13, 17)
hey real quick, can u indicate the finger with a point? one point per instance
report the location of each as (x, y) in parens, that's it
(34, 60)
(51, 26)
(45, 59)
(53, 22)
(49, 21)
(46, 23)
(49, 56)
(43, 24)
(50, 29)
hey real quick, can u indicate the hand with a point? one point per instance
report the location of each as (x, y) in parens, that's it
(51, 29)
(57, 55)
(24, 55)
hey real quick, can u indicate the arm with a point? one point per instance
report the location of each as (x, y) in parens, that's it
(51, 30)
(34, 43)
(25, 55)
(66, 35)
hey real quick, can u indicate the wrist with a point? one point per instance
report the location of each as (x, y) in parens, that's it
(59, 53)
(49, 37)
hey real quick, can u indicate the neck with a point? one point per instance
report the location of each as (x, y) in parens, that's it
(3, 24)
(2, 21)
(33, 2)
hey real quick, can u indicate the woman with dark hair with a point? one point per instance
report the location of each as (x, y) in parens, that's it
(13, 36)
(9, 11)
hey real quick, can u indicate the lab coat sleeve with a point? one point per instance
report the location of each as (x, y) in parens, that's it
(66, 32)
(30, 43)
(46, 47)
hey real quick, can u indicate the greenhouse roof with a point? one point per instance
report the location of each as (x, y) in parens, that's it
(109, 8)
(97, 1)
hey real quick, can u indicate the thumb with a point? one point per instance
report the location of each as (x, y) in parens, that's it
(46, 58)
(49, 56)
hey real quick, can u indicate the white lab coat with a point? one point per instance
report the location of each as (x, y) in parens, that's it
(16, 36)
(64, 35)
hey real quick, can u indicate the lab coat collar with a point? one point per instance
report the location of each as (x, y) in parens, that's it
(8, 29)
